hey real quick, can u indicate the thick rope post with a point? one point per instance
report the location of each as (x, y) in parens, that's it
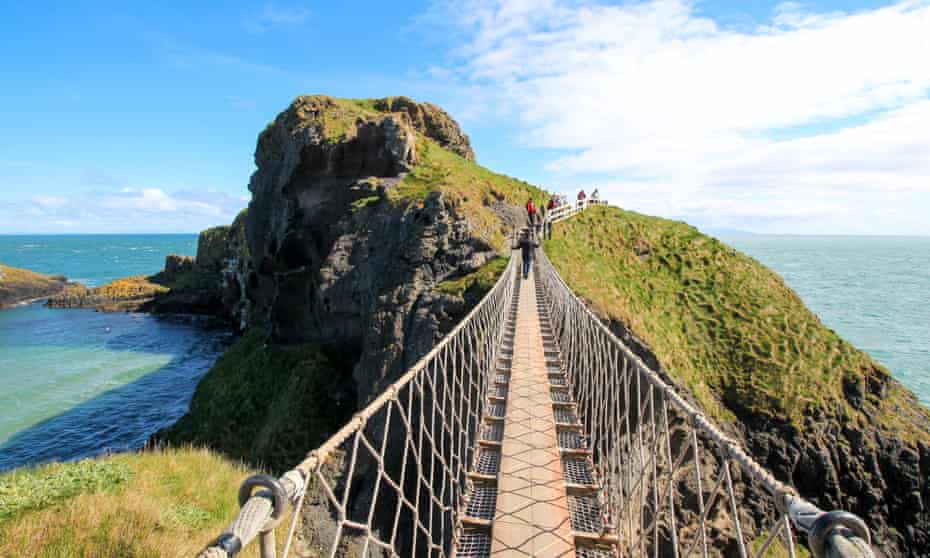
(835, 534)
(258, 515)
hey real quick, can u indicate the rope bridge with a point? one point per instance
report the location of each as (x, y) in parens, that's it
(532, 430)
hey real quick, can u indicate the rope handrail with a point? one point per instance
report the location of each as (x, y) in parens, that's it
(438, 449)
(625, 407)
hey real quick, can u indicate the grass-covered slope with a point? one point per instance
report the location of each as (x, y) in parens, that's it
(266, 404)
(472, 187)
(722, 324)
(161, 503)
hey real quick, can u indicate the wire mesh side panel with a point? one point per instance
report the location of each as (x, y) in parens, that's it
(402, 462)
(671, 483)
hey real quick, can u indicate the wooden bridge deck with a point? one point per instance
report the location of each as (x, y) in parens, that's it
(532, 513)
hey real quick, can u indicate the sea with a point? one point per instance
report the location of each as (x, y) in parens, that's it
(78, 383)
(874, 291)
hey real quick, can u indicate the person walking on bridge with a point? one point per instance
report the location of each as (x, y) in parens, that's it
(526, 253)
(531, 213)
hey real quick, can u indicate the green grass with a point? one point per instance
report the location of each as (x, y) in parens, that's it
(32, 489)
(266, 404)
(476, 283)
(722, 324)
(164, 503)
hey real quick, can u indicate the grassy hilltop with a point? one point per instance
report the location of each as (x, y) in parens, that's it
(726, 327)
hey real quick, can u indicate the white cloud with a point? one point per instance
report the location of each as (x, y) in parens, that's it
(808, 114)
(49, 202)
(123, 209)
(274, 15)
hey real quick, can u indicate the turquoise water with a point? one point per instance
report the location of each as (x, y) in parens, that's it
(873, 291)
(75, 383)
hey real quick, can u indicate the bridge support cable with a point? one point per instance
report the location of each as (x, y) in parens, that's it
(392, 481)
(671, 483)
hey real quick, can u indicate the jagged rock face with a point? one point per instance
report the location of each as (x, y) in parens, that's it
(433, 122)
(332, 260)
(882, 479)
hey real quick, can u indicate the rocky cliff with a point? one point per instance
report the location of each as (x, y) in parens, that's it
(360, 211)
(348, 240)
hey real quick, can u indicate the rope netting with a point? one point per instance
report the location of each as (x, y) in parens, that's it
(671, 483)
(392, 480)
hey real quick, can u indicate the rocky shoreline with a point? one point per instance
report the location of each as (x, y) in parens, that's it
(21, 286)
(186, 285)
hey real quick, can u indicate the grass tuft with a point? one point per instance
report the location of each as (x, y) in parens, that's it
(31, 489)
(266, 403)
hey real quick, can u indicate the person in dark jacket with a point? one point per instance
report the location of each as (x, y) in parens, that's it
(526, 252)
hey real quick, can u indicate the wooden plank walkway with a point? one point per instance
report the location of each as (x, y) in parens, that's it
(532, 514)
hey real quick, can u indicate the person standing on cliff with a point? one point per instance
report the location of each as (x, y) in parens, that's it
(526, 252)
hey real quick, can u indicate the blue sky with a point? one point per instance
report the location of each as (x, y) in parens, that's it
(130, 117)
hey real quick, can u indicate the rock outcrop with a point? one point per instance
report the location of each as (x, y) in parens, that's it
(123, 295)
(360, 210)
(432, 121)
(334, 260)
(19, 286)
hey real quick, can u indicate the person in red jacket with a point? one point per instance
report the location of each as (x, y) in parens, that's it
(531, 213)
